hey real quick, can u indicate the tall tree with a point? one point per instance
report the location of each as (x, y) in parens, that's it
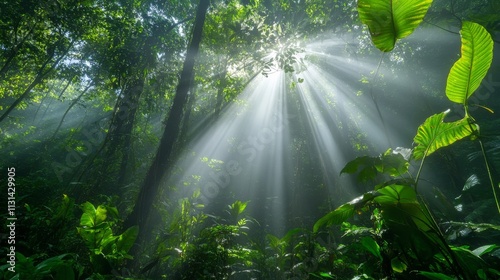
(163, 160)
(128, 49)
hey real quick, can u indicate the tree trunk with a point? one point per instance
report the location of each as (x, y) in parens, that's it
(116, 146)
(162, 160)
(185, 123)
(69, 108)
(125, 132)
(220, 91)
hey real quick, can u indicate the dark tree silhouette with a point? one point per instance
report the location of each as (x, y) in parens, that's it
(162, 160)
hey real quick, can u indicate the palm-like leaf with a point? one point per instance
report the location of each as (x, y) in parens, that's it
(434, 134)
(390, 20)
(468, 72)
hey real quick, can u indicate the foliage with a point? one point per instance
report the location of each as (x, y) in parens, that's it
(469, 71)
(61, 267)
(106, 250)
(215, 253)
(434, 133)
(389, 21)
(390, 163)
(414, 239)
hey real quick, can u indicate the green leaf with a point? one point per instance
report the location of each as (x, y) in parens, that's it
(468, 72)
(469, 262)
(112, 211)
(337, 216)
(127, 239)
(397, 265)
(435, 275)
(106, 240)
(371, 246)
(100, 214)
(390, 20)
(343, 212)
(485, 249)
(88, 217)
(288, 236)
(400, 205)
(389, 163)
(87, 220)
(353, 165)
(393, 164)
(275, 242)
(395, 194)
(238, 207)
(326, 275)
(58, 265)
(434, 134)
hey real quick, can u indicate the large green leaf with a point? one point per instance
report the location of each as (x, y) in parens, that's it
(396, 194)
(390, 163)
(468, 72)
(469, 262)
(344, 211)
(434, 134)
(127, 239)
(337, 216)
(100, 214)
(371, 246)
(400, 205)
(390, 20)
(88, 216)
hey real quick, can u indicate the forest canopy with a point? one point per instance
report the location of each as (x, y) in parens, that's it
(250, 139)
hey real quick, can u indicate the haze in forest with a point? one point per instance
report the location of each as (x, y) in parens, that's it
(250, 139)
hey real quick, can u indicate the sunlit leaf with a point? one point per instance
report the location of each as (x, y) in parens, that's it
(468, 72)
(100, 214)
(88, 217)
(394, 194)
(390, 20)
(434, 134)
(238, 207)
